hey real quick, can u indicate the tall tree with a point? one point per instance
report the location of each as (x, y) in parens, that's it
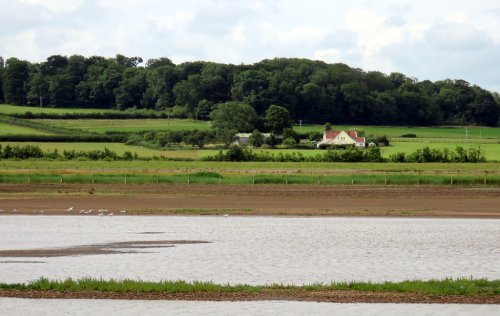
(15, 81)
(1, 78)
(234, 116)
(277, 119)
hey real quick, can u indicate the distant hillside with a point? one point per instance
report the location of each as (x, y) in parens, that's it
(311, 90)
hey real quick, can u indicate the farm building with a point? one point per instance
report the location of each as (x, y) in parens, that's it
(242, 138)
(342, 138)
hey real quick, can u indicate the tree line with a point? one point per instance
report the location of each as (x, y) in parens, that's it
(310, 90)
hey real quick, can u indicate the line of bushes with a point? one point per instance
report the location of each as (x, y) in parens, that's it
(427, 154)
(351, 154)
(35, 152)
(238, 153)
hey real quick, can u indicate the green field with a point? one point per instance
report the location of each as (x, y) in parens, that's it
(321, 168)
(118, 148)
(7, 129)
(421, 132)
(14, 109)
(129, 125)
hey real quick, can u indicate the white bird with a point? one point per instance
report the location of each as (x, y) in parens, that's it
(15, 210)
(69, 209)
(123, 211)
(101, 214)
(225, 215)
(1, 210)
(110, 214)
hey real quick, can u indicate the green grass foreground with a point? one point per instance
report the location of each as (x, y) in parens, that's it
(215, 178)
(431, 287)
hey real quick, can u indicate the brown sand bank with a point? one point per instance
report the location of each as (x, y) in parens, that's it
(337, 296)
(294, 200)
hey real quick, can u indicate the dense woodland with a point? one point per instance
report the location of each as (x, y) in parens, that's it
(312, 91)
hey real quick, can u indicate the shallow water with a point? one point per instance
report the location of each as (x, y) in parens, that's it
(257, 250)
(55, 307)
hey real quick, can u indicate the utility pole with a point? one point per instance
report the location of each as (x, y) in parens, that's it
(466, 140)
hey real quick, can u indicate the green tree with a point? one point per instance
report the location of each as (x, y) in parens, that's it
(256, 139)
(226, 136)
(277, 119)
(328, 126)
(15, 81)
(131, 89)
(1, 78)
(234, 116)
(291, 133)
(198, 138)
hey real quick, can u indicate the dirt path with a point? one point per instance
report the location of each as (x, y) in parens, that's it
(300, 200)
(343, 296)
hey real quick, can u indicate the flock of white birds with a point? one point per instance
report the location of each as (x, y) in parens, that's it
(100, 212)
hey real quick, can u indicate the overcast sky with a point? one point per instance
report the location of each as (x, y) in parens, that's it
(438, 39)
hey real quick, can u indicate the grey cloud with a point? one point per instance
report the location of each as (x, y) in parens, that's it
(456, 36)
(342, 38)
(461, 57)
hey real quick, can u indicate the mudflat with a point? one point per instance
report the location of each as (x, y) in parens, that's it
(272, 200)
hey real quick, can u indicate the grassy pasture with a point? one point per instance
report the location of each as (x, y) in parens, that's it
(255, 179)
(6, 129)
(118, 148)
(129, 125)
(421, 132)
(311, 168)
(12, 109)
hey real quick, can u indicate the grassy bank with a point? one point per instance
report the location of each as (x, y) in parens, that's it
(432, 287)
(388, 178)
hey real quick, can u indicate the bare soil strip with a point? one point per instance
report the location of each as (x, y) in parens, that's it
(98, 249)
(273, 200)
(333, 296)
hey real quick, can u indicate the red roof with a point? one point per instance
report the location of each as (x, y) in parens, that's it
(352, 134)
(331, 134)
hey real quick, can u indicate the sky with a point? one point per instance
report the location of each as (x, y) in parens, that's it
(429, 40)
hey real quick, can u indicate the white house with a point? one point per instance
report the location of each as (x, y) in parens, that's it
(242, 138)
(342, 138)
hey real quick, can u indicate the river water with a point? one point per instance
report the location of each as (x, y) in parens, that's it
(256, 250)
(55, 307)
